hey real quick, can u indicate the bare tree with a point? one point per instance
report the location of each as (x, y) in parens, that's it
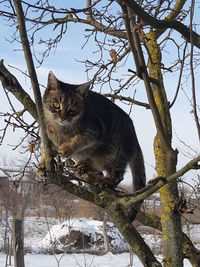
(15, 197)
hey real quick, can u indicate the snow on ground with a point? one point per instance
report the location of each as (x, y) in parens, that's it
(80, 260)
(43, 234)
(36, 236)
(193, 231)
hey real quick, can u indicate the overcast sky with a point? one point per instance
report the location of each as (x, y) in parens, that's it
(64, 63)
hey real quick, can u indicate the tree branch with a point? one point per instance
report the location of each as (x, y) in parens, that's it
(141, 70)
(120, 217)
(157, 183)
(196, 118)
(163, 24)
(172, 15)
(128, 99)
(34, 82)
(10, 83)
(189, 250)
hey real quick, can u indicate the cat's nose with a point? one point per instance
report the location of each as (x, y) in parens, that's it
(62, 118)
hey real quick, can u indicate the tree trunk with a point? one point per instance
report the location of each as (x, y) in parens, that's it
(18, 242)
(165, 164)
(6, 239)
(105, 236)
(136, 242)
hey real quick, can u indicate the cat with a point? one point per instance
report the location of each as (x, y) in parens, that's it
(94, 131)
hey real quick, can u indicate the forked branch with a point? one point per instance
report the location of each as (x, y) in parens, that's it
(163, 24)
(141, 70)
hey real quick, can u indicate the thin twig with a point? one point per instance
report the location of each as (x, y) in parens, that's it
(196, 118)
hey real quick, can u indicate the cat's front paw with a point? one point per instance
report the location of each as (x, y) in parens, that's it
(41, 171)
(65, 151)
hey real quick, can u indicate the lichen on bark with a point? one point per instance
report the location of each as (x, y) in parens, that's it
(165, 163)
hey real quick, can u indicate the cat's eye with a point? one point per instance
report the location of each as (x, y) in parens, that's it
(73, 108)
(56, 105)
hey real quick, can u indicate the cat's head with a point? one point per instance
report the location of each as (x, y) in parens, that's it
(64, 102)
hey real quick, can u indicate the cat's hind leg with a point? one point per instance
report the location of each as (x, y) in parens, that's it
(114, 176)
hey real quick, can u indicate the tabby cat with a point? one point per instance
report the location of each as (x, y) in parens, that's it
(91, 129)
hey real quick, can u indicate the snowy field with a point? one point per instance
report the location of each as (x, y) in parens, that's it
(80, 260)
(40, 236)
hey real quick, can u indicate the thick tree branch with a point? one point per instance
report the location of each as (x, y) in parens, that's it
(10, 83)
(120, 219)
(163, 24)
(34, 82)
(172, 15)
(119, 216)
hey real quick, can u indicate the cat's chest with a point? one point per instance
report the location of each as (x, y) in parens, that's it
(58, 134)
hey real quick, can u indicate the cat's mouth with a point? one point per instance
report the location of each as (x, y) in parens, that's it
(63, 123)
(69, 120)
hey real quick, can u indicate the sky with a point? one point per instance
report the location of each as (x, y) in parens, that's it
(64, 62)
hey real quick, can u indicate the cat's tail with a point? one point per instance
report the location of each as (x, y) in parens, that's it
(139, 178)
(137, 169)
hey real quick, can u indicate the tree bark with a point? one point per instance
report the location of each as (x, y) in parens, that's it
(163, 24)
(18, 242)
(189, 250)
(105, 235)
(35, 85)
(122, 222)
(165, 165)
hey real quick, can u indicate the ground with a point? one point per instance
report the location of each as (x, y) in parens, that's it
(80, 260)
(38, 241)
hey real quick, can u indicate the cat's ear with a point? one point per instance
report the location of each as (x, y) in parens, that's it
(53, 83)
(83, 88)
